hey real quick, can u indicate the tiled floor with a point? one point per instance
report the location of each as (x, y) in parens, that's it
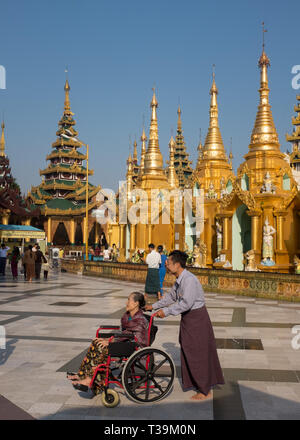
(43, 339)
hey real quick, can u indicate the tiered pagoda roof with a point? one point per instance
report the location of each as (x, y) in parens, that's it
(181, 157)
(63, 188)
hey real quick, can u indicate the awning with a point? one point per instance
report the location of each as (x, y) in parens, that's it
(20, 231)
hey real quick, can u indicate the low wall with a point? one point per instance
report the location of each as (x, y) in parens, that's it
(254, 284)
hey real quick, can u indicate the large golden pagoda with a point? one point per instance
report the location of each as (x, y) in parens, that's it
(61, 195)
(153, 180)
(213, 175)
(259, 213)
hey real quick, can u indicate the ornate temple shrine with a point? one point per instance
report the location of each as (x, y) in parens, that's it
(61, 197)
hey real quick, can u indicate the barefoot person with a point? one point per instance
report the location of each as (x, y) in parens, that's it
(200, 366)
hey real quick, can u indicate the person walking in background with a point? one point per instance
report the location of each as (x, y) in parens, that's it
(23, 264)
(162, 268)
(200, 366)
(153, 261)
(45, 266)
(39, 259)
(29, 261)
(14, 260)
(3, 256)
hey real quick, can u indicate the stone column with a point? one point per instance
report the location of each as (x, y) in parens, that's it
(5, 219)
(72, 231)
(280, 250)
(122, 249)
(85, 234)
(224, 218)
(279, 229)
(149, 234)
(49, 231)
(132, 239)
(256, 234)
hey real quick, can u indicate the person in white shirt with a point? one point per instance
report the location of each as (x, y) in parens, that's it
(3, 256)
(153, 260)
(106, 254)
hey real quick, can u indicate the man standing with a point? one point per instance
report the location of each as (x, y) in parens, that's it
(200, 366)
(3, 256)
(39, 259)
(153, 260)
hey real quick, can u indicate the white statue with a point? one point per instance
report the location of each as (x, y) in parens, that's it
(219, 237)
(223, 189)
(211, 194)
(268, 247)
(268, 186)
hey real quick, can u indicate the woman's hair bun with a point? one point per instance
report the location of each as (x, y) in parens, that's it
(139, 297)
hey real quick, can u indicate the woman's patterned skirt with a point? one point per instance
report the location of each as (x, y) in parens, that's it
(93, 358)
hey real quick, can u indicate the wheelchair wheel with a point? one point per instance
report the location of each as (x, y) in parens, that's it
(111, 400)
(148, 375)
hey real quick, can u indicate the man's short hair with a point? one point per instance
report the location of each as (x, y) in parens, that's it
(151, 246)
(179, 257)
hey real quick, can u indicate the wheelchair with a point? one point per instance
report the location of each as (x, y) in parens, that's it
(146, 374)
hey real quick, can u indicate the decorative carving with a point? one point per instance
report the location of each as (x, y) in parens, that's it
(268, 187)
(251, 263)
(199, 254)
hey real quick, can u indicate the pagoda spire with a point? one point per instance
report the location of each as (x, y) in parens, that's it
(135, 155)
(172, 175)
(143, 152)
(264, 135)
(153, 164)
(213, 146)
(2, 140)
(181, 158)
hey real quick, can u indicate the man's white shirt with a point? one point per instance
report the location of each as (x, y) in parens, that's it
(153, 260)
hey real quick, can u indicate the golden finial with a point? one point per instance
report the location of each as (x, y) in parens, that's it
(213, 146)
(135, 155)
(153, 164)
(2, 140)
(67, 89)
(179, 123)
(264, 135)
(154, 102)
(172, 175)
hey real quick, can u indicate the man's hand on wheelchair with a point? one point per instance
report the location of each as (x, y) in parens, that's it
(160, 314)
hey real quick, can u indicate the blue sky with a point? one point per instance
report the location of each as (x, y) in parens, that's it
(116, 51)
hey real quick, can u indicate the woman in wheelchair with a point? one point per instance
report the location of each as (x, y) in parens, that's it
(133, 322)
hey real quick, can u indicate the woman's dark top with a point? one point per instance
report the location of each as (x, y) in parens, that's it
(138, 325)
